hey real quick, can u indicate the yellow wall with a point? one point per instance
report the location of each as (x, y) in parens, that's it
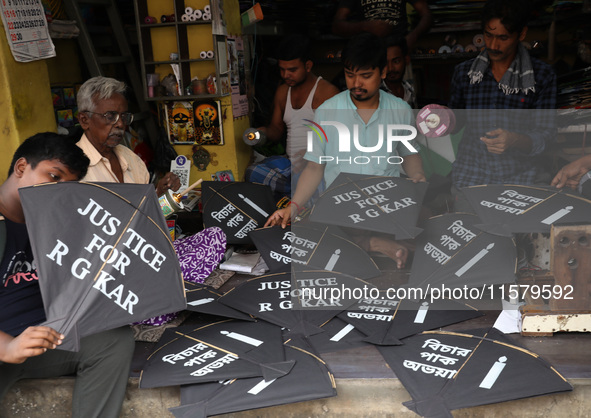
(25, 102)
(234, 155)
(65, 67)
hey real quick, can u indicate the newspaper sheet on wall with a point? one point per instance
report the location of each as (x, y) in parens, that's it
(26, 30)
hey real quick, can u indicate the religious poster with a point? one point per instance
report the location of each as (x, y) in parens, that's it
(179, 122)
(208, 122)
(26, 30)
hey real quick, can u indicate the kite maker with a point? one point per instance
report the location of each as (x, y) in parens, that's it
(27, 350)
(104, 117)
(371, 109)
(502, 76)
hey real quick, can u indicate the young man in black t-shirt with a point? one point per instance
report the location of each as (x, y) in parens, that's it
(26, 349)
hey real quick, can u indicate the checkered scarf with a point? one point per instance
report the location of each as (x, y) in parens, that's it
(518, 78)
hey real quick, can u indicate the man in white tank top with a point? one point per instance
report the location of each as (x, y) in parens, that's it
(296, 99)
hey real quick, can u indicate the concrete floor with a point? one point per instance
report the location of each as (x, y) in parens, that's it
(51, 398)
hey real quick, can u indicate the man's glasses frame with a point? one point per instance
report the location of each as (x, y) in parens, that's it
(112, 117)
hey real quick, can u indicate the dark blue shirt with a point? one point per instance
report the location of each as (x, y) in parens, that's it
(474, 164)
(20, 296)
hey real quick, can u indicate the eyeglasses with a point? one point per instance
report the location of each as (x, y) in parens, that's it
(112, 117)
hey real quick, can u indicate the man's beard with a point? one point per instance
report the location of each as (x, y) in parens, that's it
(361, 92)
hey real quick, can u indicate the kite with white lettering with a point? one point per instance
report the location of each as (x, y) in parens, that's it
(103, 254)
(389, 205)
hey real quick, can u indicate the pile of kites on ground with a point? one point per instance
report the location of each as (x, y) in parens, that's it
(317, 297)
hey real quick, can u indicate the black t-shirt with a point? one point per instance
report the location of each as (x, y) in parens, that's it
(20, 297)
(393, 11)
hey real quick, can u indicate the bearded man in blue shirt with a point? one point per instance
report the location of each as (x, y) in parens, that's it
(365, 111)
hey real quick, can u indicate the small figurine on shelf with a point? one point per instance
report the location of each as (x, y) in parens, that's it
(169, 82)
(211, 88)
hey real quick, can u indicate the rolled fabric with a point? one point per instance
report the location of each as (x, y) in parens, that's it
(203, 55)
(210, 54)
(197, 13)
(478, 40)
(188, 10)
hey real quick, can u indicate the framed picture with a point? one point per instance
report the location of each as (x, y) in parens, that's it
(69, 96)
(207, 116)
(65, 117)
(57, 96)
(179, 122)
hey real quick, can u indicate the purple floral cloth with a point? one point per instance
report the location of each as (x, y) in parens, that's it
(199, 255)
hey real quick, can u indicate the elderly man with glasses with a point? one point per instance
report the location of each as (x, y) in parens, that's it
(104, 117)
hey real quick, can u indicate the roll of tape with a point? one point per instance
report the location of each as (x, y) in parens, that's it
(478, 40)
(207, 9)
(470, 48)
(185, 18)
(188, 10)
(435, 121)
(149, 20)
(444, 49)
(457, 49)
(209, 54)
(206, 16)
(198, 13)
(203, 55)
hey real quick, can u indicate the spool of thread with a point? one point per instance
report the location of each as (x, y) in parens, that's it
(432, 51)
(203, 55)
(149, 20)
(254, 137)
(197, 13)
(435, 121)
(163, 18)
(206, 16)
(192, 18)
(457, 49)
(444, 49)
(478, 40)
(169, 203)
(207, 9)
(470, 48)
(188, 10)
(209, 54)
(171, 18)
(185, 18)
